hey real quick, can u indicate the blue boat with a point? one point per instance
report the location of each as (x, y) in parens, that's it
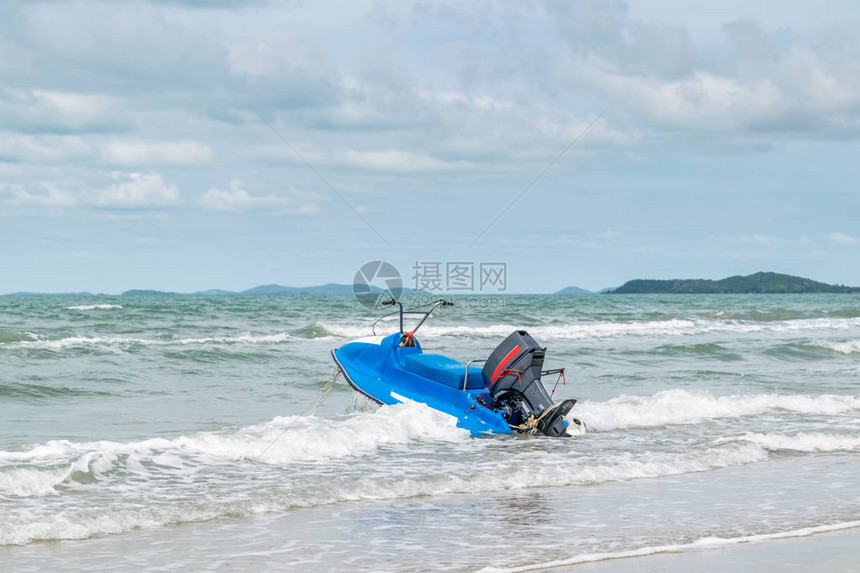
(504, 396)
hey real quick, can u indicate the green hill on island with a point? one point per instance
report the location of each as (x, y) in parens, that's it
(758, 283)
(573, 290)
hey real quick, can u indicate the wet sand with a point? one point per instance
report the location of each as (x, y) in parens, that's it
(835, 552)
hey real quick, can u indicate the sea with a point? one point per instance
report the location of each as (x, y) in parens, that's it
(166, 433)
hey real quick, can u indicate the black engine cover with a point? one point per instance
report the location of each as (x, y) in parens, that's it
(513, 374)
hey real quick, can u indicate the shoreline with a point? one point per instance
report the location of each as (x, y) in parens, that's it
(828, 548)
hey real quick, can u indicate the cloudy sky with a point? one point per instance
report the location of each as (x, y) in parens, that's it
(187, 145)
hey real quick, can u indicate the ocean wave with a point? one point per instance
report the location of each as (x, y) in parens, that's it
(39, 391)
(561, 332)
(315, 330)
(29, 482)
(385, 484)
(38, 342)
(89, 524)
(292, 462)
(606, 329)
(281, 441)
(800, 442)
(95, 307)
(679, 406)
(702, 543)
(714, 351)
(846, 347)
(13, 337)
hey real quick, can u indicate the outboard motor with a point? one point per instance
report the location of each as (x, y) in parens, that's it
(513, 373)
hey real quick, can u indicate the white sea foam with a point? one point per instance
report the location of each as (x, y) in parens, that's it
(687, 407)
(37, 481)
(702, 543)
(467, 476)
(614, 468)
(847, 347)
(94, 307)
(573, 331)
(28, 482)
(801, 442)
(154, 474)
(284, 440)
(114, 341)
(291, 440)
(610, 329)
(87, 525)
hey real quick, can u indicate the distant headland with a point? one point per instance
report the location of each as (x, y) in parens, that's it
(757, 283)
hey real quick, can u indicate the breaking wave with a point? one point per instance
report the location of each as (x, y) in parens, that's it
(298, 462)
(95, 307)
(679, 406)
(573, 331)
(283, 440)
(596, 329)
(801, 442)
(846, 347)
(38, 342)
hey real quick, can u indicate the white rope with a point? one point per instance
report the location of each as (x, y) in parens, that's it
(325, 392)
(530, 426)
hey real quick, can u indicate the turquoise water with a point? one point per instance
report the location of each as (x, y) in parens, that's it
(169, 428)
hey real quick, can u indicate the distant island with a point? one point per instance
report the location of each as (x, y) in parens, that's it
(573, 290)
(578, 290)
(273, 289)
(758, 283)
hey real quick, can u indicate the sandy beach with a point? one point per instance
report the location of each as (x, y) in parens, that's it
(835, 552)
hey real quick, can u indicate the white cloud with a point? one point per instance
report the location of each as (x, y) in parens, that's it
(237, 199)
(41, 148)
(607, 235)
(58, 111)
(118, 190)
(760, 240)
(132, 190)
(138, 44)
(757, 83)
(138, 190)
(81, 255)
(138, 153)
(46, 195)
(287, 64)
(457, 98)
(840, 239)
(399, 161)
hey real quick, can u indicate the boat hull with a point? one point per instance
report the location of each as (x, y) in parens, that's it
(376, 370)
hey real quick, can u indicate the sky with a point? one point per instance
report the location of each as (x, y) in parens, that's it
(188, 145)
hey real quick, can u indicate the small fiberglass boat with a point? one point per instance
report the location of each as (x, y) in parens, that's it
(503, 397)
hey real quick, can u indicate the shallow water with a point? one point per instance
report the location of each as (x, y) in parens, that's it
(167, 432)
